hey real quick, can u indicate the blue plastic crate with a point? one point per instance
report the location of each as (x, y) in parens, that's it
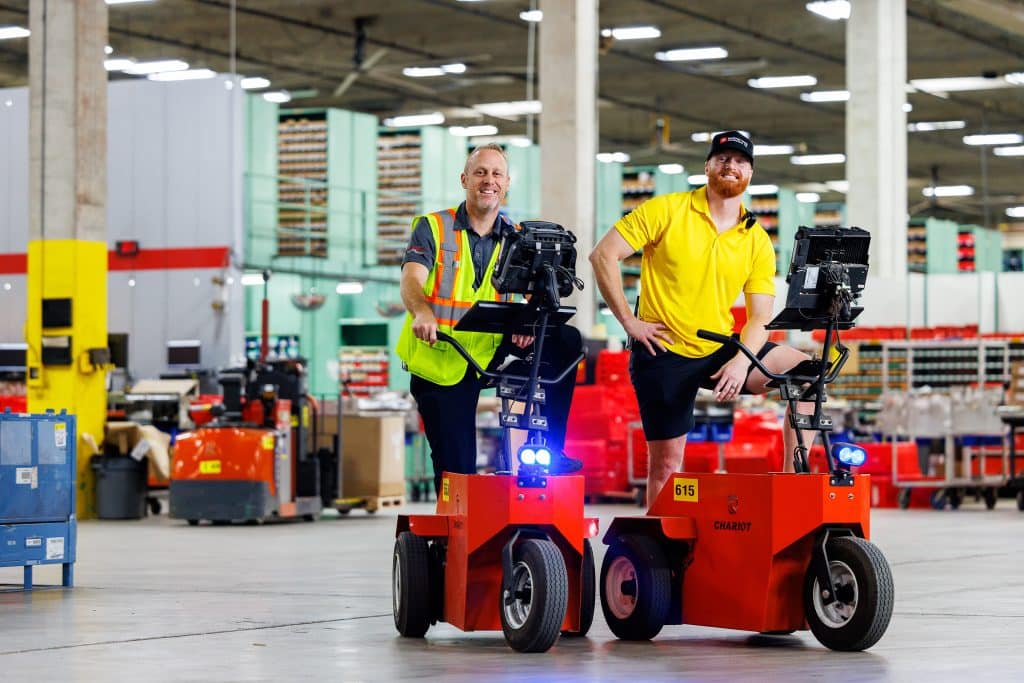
(37, 492)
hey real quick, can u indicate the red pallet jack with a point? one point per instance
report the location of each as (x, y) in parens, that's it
(507, 552)
(771, 553)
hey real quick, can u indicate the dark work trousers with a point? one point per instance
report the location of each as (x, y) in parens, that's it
(449, 412)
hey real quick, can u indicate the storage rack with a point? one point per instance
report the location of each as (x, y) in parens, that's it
(637, 187)
(302, 189)
(766, 208)
(364, 369)
(399, 163)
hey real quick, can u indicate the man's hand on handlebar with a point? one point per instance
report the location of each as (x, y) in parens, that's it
(424, 326)
(730, 378)
(522, 340)
(651, 335)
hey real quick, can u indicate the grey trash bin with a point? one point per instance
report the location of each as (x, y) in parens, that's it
(120, 486)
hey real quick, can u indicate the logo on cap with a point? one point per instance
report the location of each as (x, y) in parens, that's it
(722, 139)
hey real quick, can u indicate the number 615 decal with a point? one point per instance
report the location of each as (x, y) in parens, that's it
(684, 490)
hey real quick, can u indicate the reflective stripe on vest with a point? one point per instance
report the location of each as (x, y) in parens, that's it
(446, 308)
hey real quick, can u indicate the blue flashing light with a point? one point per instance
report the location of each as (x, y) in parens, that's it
(527, 456)
(849, 454)
(543, 457)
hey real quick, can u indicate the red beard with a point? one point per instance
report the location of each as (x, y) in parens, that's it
(727, 189)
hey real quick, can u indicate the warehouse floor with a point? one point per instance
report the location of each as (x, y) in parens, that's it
(158, 600)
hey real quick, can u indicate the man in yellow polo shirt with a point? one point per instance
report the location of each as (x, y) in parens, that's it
(700, 250)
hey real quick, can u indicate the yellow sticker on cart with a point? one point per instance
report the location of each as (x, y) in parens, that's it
(267, 442)
(684, 490)
(444, 489)
(209, 467)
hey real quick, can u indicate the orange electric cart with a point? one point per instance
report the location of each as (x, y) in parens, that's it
(508, 551)
(771, 553)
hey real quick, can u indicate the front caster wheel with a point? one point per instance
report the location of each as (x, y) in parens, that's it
(636, 587)
(990, 496)
(533, 606)
(859, 615)
(588, 593)
(410, 585)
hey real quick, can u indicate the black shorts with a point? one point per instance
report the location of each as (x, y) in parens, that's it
(666, 386)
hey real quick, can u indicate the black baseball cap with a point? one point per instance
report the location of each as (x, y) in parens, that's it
(731, 139)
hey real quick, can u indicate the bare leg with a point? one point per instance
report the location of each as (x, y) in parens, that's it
(781, 359)
(665, 458)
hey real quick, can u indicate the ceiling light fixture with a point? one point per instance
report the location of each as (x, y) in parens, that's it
(252, 279)
(609, 157)
(838, 185)
(772, 150)
(254, 83)
(432, 71)
(808, 197)
(706, 137)
(825, 96)
(433, 119)
(188, 75)
(815, 159)
(941, 86)
(108, 50)
(830, 9)
(1015, 212)
(473, 131)
(948, 191)
(632, 32)
(928, 126)
(278, 96)
(994, 139)
(506, 109)
(670, 169)
(12, 32)
(691, 54)
(803, 80)
(1009, 151)
(155, 67)
(755, 190)
(117, 64)
(531, 15)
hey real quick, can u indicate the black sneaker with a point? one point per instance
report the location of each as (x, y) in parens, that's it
(563, 464)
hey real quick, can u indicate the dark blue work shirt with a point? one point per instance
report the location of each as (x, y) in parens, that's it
(423, 250)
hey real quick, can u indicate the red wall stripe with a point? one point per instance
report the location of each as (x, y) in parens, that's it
(146, 259)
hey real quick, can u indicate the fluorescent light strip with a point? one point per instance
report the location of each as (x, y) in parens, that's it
(472, 131)
(830, 9)
(948, 191)
(772, 150)
(632, 32)
(349, 288)
(808, 197)
(838, 185)
(278, 96)
(941, 86)
(254, 83)
(697, 180)
(252, 279)
(609, 157)
(670, 169)
(762, 189)
(1009, 151)
(503, 109)
(814, 159)
(994, 139)
(803, 80)
(691, 54)
(825, 96)
(432, 71)
(12, 32)
(155, 67)
(929, 126)
(1015, 212)
(189, 75)
(531, 15)
(706, 137)
(433, 119)
(118, 64)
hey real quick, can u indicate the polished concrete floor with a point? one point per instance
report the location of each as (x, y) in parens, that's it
(157, 600)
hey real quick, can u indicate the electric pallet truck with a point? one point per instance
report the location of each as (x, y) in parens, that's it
(771, 553)
(508, 551)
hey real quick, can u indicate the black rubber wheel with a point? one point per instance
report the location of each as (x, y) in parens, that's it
(903, 499)
(309, 518)
(1020, 500)
(410, 585)
(154, 506)
(939, 499)
(955, 497)
(636, 587)
(990, 496)
(534, 609)
(864, 596)
(588, 593)
(193, 522)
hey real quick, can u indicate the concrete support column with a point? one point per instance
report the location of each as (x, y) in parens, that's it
(876, 130)
(66, 321)
(568, 131)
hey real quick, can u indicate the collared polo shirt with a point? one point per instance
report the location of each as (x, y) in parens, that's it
(691, 274)
(423, 250)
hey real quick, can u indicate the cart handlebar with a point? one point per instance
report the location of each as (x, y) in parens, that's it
(447, 338)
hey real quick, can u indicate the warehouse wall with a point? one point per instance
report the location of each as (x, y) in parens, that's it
(174, 163)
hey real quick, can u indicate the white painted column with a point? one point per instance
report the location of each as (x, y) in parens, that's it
(876, 130)
(568, 132)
